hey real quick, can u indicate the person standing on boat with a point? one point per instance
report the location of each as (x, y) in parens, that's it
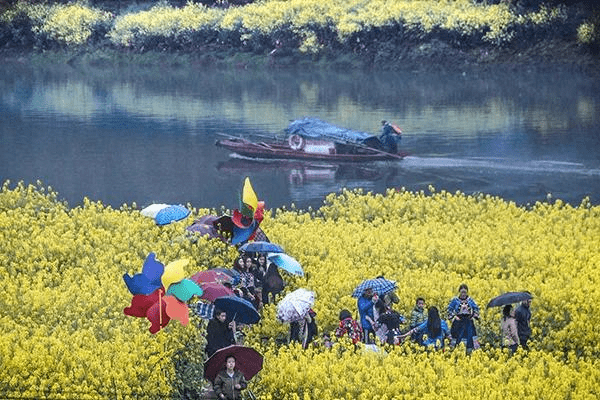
(390, 135)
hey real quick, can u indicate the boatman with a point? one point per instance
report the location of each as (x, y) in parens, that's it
(390, 135)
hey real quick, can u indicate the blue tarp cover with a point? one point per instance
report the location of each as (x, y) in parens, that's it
(315, 128)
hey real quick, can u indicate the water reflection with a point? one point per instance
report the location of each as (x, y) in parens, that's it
(147, 135)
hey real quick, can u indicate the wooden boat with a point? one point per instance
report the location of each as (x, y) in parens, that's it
(312, 139)
(251, 149)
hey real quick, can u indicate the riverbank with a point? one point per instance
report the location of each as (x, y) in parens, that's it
(432, 56)
(336, 35)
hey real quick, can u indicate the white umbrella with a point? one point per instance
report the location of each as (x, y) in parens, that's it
(295, 305)
(153, 209)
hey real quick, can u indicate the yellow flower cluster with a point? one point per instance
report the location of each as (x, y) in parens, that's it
(72, 24)
(164, 20)
(586, 32)
(64, 334)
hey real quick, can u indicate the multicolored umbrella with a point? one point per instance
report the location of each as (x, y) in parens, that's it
(295, 305)
(247, 360)
(159, 293)
(380, 286)
(238, 309)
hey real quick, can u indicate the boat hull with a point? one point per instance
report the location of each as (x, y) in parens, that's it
(281, 151)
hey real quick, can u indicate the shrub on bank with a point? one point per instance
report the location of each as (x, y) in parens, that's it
(64, 334)
(306, 26)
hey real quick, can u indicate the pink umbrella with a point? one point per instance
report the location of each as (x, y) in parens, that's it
(214, 290)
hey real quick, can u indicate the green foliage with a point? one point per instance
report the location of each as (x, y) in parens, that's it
(308, 26)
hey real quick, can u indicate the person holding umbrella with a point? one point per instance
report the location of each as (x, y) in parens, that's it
(510, 337)
(522, 315)
(229, 382)
(219, 333)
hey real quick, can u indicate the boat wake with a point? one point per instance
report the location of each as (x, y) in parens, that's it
(498, 164)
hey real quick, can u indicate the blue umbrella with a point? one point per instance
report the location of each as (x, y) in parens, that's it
(286, 263)
(171, 214)
(380, 286)
(237, 309)
(261, 247)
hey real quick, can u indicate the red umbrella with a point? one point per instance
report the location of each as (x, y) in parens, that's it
(247, 360)
(211, 276)
(213, 290)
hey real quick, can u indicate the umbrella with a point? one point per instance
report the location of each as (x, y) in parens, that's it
(380, 286)
(247, 360)
(287, 263)
(509, 298)
(295, 305)
(261, 247)
(232, 273)
(214, 290)
(203, 229)
(211, 276)
(237, 309)
(171, 214)
(208, 219)
(153, 209)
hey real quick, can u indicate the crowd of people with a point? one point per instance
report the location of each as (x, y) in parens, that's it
(256, 281)
(378, 321)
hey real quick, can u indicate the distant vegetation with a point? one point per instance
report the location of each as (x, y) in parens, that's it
(376, 32)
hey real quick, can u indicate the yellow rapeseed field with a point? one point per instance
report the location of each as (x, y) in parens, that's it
(63, 333)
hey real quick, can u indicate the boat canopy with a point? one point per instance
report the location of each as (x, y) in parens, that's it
(314, 128)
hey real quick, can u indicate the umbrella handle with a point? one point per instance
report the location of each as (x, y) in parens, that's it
(233, 320)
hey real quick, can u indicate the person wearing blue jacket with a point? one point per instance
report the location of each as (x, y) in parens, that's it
(435, 329)
(462, 309)
(367, 318)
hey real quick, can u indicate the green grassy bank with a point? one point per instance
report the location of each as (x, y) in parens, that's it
(380, 34)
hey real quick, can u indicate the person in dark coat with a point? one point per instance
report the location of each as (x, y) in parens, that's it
(389, 138)
(305, 330)
(273, 283)
(229, 382)
(219, 333)
(523, 317)
(260, 271)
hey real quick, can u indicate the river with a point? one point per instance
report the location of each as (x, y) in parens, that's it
(146, 135)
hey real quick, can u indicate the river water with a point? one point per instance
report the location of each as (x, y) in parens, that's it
(146, 135)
